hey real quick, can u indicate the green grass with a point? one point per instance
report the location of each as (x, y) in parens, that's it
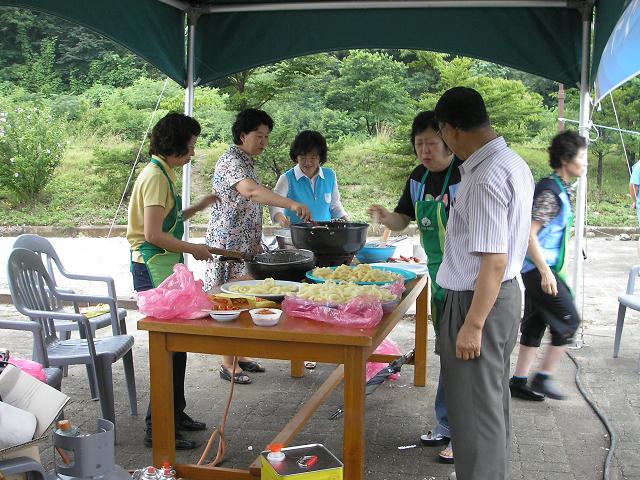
(368, 172)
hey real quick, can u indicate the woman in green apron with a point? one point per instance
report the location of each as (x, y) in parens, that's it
(426, 199)
(154, 231)
(547, 298)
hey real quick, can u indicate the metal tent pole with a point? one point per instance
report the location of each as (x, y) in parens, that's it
(188, 110)
(581, 197)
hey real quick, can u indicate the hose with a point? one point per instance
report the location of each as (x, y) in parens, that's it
(605, 421)
(219, 432)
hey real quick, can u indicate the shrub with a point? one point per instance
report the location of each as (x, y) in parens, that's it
(31, 146)
(112, 165)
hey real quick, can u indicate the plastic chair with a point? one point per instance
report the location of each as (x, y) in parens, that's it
(628, 300)
(16, 466)
(34, 295)
(44, 248)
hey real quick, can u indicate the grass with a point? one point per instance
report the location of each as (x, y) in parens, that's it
(367, 171)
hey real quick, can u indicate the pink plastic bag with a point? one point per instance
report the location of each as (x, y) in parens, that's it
(387, 347)
(361, 312)
(34, 369)
(358, 313)
(179, 296)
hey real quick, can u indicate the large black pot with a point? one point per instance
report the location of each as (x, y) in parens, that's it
(281, 265)
(333, 243)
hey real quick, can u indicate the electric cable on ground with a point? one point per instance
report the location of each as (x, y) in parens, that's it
(613, 439)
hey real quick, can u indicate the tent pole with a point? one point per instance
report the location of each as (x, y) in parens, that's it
(581, 197)
(188, 110)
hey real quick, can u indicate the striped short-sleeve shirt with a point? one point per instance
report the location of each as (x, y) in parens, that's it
(490, 214)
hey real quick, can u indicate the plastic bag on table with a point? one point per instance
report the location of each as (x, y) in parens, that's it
(180, 295)
(387, 347)
(361, 312)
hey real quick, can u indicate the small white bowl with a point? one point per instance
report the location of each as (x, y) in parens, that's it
(225, 315)
(265, 319)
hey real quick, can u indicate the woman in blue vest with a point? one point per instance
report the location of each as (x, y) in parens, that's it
(548, 300)
(308, 182)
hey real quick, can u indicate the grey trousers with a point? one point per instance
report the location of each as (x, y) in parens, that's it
(477, 391)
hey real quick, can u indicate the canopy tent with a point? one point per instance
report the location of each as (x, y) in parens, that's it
(619, 60)
(550, 38)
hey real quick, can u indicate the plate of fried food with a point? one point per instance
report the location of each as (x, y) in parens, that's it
(268, 288)
(363, 274)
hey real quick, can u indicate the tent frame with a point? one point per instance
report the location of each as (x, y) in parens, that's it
(584, 6)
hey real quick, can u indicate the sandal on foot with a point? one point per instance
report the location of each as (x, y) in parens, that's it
(433, 439)
(253, 367)
(240, 377)
(446, 455)
(309, 365)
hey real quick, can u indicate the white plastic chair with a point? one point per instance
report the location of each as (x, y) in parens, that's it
(628, 300)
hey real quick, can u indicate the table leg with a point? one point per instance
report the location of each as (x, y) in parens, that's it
(161, 372)
(354, 409)
(421, 337)
(297, 368)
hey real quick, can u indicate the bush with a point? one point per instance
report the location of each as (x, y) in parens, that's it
(31, 146)
(112, 166)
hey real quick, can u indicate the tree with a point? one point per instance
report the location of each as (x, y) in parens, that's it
(514, 110)
(372, 88)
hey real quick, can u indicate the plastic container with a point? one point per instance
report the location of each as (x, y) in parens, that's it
(372, 254)
(225, 315)
(265, 319)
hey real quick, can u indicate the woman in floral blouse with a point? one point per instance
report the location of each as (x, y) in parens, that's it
(236, 221)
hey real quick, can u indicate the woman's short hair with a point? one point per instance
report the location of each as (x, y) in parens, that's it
(249, 120)
(462, 108)
(306, 142)
(564, 148)
(172, 134)
(423, 121)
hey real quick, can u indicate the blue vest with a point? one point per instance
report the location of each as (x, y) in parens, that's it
(551, 237)
(318, 200)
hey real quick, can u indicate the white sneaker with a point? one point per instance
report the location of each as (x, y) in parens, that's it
(452, 476)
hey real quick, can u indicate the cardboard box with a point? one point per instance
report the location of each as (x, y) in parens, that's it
(25, 392)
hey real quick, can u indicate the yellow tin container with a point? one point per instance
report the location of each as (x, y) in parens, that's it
(305, 462)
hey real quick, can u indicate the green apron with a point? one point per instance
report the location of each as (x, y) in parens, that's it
(159, 261)
(431, 217)
(560, 268)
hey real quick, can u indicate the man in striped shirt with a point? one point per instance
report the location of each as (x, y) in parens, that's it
(485, 245)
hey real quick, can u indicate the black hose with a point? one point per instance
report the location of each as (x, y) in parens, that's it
(605, 421)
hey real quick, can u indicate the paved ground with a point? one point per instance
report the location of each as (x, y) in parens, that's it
(552, 440)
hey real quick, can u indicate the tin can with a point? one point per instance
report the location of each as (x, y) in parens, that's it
(304, 462)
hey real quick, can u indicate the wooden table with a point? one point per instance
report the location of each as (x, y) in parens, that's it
(294, 339)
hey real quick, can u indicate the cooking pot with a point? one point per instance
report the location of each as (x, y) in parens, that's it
(333, 243)
(289, 265)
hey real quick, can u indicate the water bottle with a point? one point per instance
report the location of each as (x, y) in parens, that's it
(167, 472)
(65, 428)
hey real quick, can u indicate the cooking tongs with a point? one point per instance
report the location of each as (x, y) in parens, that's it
(230, 255)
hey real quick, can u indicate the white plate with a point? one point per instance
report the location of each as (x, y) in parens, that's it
(417, 268)
(269, 296)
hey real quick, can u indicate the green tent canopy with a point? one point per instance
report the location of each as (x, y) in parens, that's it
(543, 40)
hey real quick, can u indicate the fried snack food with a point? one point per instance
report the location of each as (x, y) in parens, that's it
(267, 287)
(332, 292)
(226, 303)
(360, 273)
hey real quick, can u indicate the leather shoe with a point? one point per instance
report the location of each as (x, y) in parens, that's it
(524, 391)
(181, 442)
(189, 424)
(546, 386)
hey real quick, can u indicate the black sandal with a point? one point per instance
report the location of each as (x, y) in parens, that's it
(253, 367)
(240, 378)
(431, 439)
